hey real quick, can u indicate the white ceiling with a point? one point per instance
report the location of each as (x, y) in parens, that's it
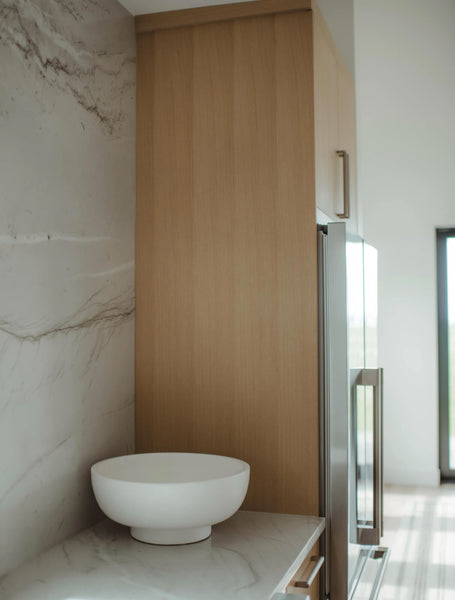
(141, 7)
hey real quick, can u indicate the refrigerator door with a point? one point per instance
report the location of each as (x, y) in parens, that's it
(334, 405)
(370, 383)
(358, 499)
(366, 396)
(367, 562)
(351, 477)
(370, 269)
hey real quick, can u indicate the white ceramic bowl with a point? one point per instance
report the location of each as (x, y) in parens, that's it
(170, 498)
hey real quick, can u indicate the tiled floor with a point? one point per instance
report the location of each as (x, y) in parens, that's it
(420, 531)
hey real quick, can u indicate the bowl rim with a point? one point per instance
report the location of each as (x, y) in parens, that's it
(245, 469)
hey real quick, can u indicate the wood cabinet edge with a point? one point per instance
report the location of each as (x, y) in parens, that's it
(211, 14)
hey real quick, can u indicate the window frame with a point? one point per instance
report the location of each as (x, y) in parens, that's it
(442, 235)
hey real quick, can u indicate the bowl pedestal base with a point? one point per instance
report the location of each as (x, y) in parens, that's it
(171, 537)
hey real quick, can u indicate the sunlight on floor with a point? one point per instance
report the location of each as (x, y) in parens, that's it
(419, 528)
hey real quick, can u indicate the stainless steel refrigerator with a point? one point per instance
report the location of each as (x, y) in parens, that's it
(351, 417)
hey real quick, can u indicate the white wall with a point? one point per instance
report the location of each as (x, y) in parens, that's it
(405, 57)
(67, 135)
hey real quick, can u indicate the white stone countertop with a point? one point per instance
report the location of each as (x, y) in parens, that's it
(246, 558)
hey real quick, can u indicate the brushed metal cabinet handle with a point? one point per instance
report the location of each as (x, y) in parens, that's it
(346, 185)
(319, 560)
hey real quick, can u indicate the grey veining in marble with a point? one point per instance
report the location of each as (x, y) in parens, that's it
(67, 136)
(247, 558)
(56, 39)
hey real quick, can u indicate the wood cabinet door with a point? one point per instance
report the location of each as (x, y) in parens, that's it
(325, 118)
(335, 126)
(226, 260)
(347, 140)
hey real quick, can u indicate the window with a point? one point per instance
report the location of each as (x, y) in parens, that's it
(446, 334)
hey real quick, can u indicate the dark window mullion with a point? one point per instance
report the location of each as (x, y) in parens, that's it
(443, 348)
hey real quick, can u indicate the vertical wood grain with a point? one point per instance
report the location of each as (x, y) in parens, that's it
(213, 227)
(347, 134)
(226, 251)
(165, 243)
(328, 182)
(144, 226)
(256, 377)
(297, 262)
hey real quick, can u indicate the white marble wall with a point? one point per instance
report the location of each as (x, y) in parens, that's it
(67, 120)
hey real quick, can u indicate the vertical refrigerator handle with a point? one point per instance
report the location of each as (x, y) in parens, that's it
(378, 453)
(370, 533)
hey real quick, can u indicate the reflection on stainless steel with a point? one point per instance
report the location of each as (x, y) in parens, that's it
(379, 554)
(324, 412)
(351, 424)
(336, 434)
(367, 570)
(362, 558)
(369, 530)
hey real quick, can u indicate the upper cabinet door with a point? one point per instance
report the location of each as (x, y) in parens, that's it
(325, 118)
(335, 128)
(347, 140)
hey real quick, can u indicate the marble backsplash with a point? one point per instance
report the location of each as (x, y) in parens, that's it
(67, 137)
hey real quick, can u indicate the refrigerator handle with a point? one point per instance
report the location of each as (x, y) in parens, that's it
(383, 555)
(378, 553)
(378, 455)
(371, 533)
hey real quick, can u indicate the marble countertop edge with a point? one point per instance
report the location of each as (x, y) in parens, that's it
(251, 556)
